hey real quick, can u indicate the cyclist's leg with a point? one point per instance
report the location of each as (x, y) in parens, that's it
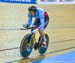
(41, 31)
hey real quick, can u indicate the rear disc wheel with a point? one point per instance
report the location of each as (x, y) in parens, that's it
(41, 49)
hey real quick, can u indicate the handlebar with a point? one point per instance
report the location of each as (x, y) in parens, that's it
(33, 27)
(15, 29)
(26, 28)
(20, 29)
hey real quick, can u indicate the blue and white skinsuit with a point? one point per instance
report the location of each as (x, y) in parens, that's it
(41, 19)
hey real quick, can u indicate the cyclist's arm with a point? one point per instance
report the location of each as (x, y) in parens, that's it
(41, 20)
(29, 19)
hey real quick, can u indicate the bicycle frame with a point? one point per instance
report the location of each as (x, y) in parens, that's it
(34, 38)
(29, 42)
(33, 35)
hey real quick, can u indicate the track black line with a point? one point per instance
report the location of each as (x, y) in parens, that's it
(50, 42)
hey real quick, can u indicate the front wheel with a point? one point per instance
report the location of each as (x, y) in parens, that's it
(42, 50)
(26, 47)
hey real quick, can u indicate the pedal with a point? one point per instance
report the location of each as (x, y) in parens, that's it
(36, 46)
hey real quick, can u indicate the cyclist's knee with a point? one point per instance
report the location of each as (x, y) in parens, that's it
(41, 32)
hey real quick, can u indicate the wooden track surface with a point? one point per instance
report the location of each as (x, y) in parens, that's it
(61, 31)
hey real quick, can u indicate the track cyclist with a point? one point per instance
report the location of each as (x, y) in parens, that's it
(41, 21)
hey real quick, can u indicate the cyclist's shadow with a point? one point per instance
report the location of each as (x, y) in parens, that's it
(29, 59)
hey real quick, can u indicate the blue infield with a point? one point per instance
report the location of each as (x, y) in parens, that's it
(63, 58)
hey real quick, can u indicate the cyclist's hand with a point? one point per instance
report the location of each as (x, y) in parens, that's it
(25, 25)
(35, 30)
(34, 26)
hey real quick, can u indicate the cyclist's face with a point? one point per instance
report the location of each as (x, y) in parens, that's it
(32, 13)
